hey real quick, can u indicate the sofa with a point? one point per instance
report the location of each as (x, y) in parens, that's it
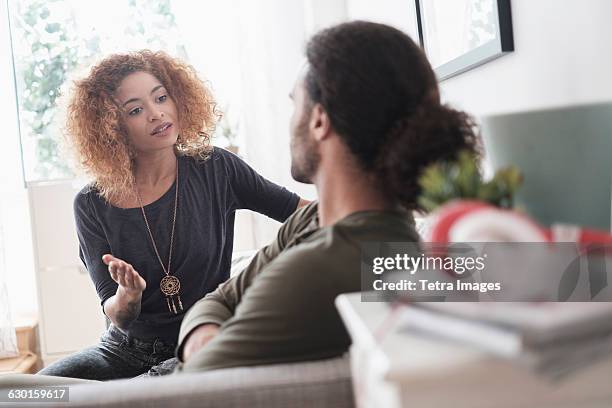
(324, 383)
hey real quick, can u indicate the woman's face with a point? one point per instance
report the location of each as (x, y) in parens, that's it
(150, 114)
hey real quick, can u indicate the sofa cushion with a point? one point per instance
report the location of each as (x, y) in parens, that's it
(324, 383)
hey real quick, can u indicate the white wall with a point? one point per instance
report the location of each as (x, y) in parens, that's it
(400, 14)
(273, 39)
(319, 14)
(562, 55)
(251, 53)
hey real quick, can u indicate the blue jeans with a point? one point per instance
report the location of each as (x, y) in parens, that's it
(117, 356)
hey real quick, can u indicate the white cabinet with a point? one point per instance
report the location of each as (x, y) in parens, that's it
(69, 308)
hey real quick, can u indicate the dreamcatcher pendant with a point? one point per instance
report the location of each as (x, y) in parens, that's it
(170, 286)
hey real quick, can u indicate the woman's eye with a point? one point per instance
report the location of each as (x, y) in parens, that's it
(162, 98)
(135, 111)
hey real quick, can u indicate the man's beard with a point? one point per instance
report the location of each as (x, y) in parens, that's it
(304, 156)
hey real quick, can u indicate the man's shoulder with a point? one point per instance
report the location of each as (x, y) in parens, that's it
(319, 265)
(326, 248)
(300, 220)
(342, 243)
(305, 213)
(352, 231)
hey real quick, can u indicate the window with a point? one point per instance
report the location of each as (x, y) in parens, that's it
(247, 52)
(55, 40)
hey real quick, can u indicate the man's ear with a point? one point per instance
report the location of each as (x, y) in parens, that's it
(320, 125)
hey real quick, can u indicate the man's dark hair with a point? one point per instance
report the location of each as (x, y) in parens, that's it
(382, 98)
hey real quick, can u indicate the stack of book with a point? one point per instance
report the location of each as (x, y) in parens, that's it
(552, 338)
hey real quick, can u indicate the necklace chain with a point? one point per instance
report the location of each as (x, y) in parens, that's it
(144, 215)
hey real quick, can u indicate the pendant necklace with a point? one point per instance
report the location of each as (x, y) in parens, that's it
(169, 285)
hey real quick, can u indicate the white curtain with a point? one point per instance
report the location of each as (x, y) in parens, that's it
(251, 52)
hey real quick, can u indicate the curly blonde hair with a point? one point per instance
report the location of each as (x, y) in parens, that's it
(95, 127)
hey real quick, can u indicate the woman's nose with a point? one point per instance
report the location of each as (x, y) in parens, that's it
(156, 114)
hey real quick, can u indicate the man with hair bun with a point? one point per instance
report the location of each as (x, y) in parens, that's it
(367, 120)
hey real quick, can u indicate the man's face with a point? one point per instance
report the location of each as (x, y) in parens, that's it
(305, 156)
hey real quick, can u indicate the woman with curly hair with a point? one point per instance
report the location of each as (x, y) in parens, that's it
(155, 227)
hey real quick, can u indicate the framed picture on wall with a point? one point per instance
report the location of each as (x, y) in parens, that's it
(458, 35)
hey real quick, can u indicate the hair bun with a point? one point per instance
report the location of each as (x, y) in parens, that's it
(433, 132)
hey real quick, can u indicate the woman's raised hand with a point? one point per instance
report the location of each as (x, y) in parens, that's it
(124, 274)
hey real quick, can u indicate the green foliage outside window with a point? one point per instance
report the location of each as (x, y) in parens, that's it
(50, 44)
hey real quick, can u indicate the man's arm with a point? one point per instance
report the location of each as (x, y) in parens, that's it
(288, 313)
(202, 321)
(215, 308)
(302, 203)
(197, 339)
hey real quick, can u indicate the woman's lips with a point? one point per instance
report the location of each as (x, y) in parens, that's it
(162, 129)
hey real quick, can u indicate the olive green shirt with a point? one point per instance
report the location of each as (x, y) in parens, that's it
(281, 307)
